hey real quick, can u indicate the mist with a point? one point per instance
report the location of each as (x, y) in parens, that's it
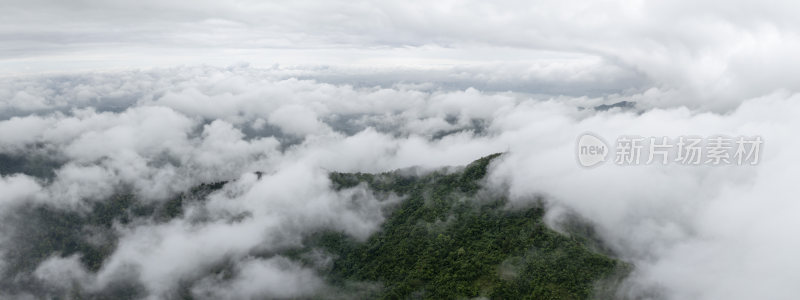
(113, 104)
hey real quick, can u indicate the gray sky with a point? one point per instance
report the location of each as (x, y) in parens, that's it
(709, 50)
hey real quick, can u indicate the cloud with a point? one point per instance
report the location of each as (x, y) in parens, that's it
(62, 272)
(297, 120)
(253, 214)
(700, 54)
(680, 226)
(275, 277)
(17, 188)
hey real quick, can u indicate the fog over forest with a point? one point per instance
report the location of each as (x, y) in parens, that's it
(190, 149)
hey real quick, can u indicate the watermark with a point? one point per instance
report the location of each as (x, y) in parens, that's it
(592, 150)
(632, 150)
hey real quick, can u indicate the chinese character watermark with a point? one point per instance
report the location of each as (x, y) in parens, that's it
(682, 150)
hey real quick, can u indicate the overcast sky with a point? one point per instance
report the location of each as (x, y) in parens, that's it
(709, 49)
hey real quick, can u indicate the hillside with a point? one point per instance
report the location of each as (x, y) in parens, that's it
(445, 237)
(449, 239)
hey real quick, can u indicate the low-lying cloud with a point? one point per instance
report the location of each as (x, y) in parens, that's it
(691, 232)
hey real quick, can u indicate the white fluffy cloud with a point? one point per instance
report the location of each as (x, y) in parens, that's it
(253, 214)
(17, 188)
(275, 277)
(678, 225)
(693, 233)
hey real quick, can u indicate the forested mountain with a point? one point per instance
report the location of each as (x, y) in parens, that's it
(445, 237)
(450, 239)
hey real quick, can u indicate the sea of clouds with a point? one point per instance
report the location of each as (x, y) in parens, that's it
(690, 231)
(373, 87)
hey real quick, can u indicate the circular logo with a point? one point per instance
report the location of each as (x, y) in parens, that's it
(591, 149)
